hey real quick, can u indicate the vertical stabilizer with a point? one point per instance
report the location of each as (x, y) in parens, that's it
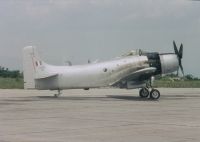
(29, 53)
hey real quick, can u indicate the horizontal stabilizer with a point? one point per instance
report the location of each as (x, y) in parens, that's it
(43, 76)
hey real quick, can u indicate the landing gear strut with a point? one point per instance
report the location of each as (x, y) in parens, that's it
(59, 93)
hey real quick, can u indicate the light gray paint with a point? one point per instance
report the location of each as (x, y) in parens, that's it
(167, 61)
(41, 75)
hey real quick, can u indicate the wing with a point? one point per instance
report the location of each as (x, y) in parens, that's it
(141, 74)
(138, 74)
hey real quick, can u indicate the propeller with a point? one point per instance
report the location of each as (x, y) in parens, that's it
(179, 54)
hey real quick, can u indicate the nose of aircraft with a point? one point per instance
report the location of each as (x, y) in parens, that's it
(169, 63)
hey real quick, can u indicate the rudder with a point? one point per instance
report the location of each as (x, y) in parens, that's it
(29, 53)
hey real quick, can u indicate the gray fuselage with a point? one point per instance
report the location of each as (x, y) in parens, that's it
(91, 75)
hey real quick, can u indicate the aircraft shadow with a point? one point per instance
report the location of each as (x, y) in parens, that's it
(72, 98)
(106, 98)
(121, 98)
(129, 98)
(96, 98)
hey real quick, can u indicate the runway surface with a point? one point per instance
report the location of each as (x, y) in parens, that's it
(99, 115)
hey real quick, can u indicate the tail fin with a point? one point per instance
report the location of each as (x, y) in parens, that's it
(29, 66)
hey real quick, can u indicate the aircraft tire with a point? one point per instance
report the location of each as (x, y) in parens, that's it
(144, 93)
(154, 94)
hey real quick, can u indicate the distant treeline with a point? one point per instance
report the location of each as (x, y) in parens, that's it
(6, 73)
(174, 76)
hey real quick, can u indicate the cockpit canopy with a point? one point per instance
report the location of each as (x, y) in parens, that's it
(133, 53)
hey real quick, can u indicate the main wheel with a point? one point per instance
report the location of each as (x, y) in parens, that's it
(144, 93)
(154, 94)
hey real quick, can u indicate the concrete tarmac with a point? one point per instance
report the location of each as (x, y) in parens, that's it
(99, 115)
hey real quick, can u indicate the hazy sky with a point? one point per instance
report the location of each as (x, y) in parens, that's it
(79, 30)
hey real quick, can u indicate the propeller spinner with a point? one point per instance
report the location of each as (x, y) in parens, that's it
(179, 54)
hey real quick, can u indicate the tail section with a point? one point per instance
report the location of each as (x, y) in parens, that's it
(36, 72)
(30, 64)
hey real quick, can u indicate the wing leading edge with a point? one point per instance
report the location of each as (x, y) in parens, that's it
(142, 73)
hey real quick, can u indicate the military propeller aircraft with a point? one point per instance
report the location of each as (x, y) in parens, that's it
(134, 70)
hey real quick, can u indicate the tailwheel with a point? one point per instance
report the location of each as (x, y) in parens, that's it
(57, 95)
(154, 94)
(144, 93)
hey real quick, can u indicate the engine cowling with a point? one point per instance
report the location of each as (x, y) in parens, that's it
(169, 63)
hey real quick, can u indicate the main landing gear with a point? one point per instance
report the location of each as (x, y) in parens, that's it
(149, 91)
(57, 95)
(145, 93)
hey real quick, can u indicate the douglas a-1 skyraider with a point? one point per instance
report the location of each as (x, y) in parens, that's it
(131, 71)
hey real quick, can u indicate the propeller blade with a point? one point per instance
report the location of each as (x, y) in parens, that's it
(181, 51)
(181, 68)
(179, 54)
(175, 48)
